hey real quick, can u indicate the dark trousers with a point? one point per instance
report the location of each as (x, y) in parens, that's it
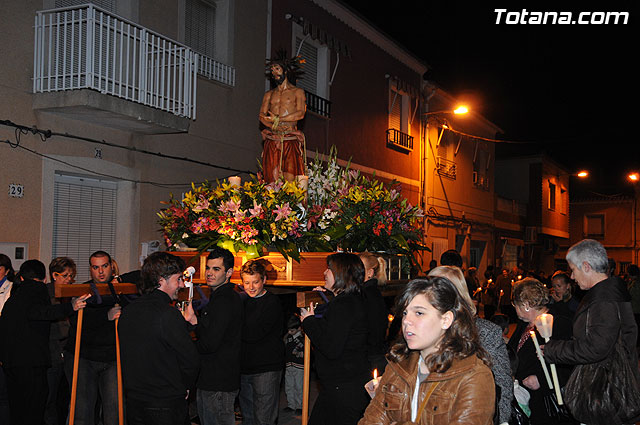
(489, 311)
(28, 390)
(4, 399)
(340, 404)
(174, 412)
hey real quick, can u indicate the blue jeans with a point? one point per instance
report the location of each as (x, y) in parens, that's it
(216, 407)
(94, 378)
(259, 397)
(293, 382)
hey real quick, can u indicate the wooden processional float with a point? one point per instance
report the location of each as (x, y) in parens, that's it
(281, 272)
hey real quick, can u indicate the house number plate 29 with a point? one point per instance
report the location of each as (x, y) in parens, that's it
(16, 190)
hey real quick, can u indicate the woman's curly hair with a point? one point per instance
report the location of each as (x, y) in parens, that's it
(459, 341)
(530, 292)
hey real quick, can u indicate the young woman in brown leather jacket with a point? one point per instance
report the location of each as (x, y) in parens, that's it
(437, 373)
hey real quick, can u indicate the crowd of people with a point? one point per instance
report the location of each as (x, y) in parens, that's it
(227, 354)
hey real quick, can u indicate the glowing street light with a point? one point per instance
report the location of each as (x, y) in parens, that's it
(583, 174)
(461, 110)
(634, 177)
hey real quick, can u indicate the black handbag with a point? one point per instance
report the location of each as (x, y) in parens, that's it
(607, 392)
(518, 417)
(556, 411)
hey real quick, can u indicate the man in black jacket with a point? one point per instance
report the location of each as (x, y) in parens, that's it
(218, 329)
(97, 375)
(603, 318)
(24, 346)
(160, 363)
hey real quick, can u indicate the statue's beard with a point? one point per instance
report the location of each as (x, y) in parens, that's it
(279, 79)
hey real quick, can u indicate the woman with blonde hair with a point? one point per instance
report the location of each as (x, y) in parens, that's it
(490, 338)
(437, 372)
(375, 270)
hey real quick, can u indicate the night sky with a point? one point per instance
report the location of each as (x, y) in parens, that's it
(569, 89)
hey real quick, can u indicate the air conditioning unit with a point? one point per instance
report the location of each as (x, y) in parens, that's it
(531, 235)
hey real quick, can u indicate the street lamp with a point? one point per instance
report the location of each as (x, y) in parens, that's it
(634, 177)
(583, 174)
(460, 110)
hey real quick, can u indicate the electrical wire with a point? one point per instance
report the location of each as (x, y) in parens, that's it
(77, 167)
(46, 134)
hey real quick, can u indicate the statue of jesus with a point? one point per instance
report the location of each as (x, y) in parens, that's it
(282, 107)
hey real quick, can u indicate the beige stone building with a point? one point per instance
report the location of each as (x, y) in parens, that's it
(172, 78)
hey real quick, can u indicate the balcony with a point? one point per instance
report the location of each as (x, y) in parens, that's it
(399, 140)
(318, 105)
(92, 65)
(446, 168)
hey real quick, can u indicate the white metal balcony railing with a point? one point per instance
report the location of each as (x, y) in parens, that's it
(86, 47)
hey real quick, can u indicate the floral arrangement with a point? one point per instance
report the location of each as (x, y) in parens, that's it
(341, 209)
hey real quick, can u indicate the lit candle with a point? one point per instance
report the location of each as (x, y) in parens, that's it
(235, 181)
(539, 352)
(544, 323)
(556, 383)
(375, 376)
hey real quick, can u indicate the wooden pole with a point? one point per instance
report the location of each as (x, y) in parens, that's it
(303, 299)
(76, 360)
(119, 371)
(305, 386)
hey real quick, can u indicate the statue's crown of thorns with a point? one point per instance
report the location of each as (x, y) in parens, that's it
(291, 65)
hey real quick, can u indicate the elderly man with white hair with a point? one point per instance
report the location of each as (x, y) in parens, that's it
(604, 335)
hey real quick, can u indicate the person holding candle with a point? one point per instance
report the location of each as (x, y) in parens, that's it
(339, 339)
(600, 389)
(438, 372)
(218, 331)
(530, 299)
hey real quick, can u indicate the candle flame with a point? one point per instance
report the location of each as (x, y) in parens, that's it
(375, 373)
(532, 333)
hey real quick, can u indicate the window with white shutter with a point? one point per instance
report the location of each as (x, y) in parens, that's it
(398, 109)
(200, 26)
(84, 219)
(315, 77)
(309, 52)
